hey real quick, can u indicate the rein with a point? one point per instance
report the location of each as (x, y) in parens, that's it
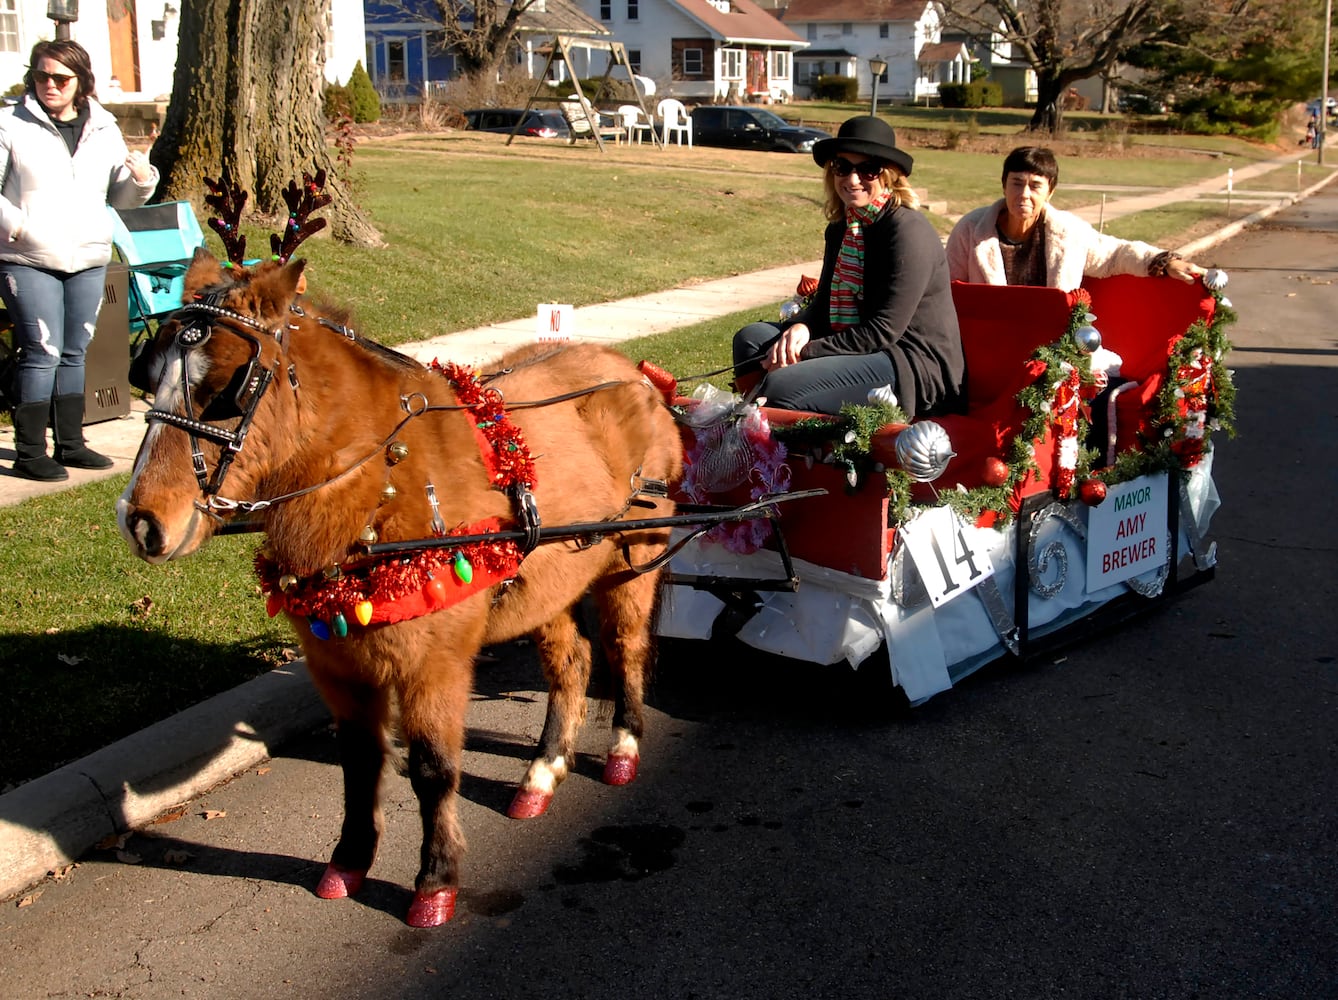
(201, 318)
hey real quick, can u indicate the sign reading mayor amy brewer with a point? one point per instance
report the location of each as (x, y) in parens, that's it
(1127, 535)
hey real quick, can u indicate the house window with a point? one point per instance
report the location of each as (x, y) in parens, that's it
(395, 61)
(780, 65)
(632, 12)
(812, 32)
(847, 28)
(606, 10)
(9, 25)
(692, 62)
(884, 30)
(329, 31)
(733, 64)
(634, 60)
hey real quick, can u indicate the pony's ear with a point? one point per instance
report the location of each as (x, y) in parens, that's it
(279, 287)
(204, 271)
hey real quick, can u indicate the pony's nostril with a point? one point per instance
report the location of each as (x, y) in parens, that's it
(147, 532)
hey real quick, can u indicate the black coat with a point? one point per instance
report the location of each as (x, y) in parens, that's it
(906, 311)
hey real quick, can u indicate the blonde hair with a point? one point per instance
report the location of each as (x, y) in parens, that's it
(891, 178)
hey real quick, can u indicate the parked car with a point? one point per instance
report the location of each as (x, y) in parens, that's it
(1133, 102)
(538, 123)
(750, 128)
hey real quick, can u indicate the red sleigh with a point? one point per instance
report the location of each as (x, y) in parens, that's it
(1041, 433)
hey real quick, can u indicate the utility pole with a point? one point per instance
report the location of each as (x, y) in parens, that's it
(1324, 87)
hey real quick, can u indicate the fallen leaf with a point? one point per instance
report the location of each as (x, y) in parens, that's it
(115, 840)
(171, 816)
(140, 608)
(70, 660)
(213, 813)
(62, 871)
(28, 900)
(51, 631)
(128, 857)
(262, 770)
(176, 857)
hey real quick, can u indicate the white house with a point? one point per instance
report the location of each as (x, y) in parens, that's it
(133, 45)
(704, 50)
(843, 35)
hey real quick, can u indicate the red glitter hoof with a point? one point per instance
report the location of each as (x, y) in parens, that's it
(432, 909)
(340, 883)
(528, 805)
(620, 769)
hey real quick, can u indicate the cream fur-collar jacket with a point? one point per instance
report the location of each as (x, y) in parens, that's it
(1073, 250)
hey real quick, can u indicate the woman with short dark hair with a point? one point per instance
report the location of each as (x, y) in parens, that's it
(63, 161)
(1023, 240)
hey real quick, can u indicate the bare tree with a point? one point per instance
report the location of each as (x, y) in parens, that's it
(1063, 41)
(246, 98)
(480, 32)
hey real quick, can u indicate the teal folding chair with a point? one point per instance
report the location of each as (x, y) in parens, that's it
(157, 243)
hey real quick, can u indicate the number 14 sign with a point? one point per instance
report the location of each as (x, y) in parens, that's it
(946, 552)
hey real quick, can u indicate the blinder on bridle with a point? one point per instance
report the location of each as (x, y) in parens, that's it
(238, 400)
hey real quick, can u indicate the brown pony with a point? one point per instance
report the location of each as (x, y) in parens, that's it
(341, 449)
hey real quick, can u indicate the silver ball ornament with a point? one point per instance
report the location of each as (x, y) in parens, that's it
(1214, 279)
(924, 450)
(1088, 338)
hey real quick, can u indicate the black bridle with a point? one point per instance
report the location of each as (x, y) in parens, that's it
(198, 321)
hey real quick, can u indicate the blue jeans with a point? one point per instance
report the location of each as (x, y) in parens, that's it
(819, 385)
(54, 317)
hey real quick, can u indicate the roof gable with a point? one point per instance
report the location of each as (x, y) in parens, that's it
(744, 20)
(855, 10)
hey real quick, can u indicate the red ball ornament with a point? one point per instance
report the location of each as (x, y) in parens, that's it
(1093, 492)
(994, 472)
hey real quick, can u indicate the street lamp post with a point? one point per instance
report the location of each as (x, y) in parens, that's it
(877, 67)
(63, 12)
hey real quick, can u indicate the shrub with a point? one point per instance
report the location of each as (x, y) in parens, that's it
(976, 94)
(336, 102)
(839, 89)
(362, 95)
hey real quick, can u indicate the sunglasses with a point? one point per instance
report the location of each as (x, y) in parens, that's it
(59, 79)
(868, 170)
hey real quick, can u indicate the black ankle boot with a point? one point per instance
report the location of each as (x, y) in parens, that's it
(68, 424)
(30, 444)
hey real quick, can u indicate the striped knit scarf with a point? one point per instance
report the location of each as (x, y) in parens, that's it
(848, 275)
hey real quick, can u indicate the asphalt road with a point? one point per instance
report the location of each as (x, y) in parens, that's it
(1155, 814)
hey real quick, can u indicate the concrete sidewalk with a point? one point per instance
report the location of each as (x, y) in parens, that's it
(54, 819)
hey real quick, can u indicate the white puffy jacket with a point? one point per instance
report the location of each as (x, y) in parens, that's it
(1073, 249)
(55, 202)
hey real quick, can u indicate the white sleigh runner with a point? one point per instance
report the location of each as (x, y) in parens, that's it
(948, 548)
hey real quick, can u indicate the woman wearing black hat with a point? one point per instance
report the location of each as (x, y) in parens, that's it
(883, 312)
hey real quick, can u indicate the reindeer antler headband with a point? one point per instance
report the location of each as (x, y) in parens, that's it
(301, 203)
(228, 199)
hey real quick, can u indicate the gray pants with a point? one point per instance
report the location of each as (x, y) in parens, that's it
(820, 385)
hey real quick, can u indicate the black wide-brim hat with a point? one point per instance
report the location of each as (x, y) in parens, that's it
(868, 135)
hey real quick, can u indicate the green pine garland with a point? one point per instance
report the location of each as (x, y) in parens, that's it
(846, 437)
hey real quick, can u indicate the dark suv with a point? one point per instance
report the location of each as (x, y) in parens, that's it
(750, 128)
(541, 124)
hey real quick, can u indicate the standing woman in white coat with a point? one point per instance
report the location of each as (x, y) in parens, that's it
(63, 160)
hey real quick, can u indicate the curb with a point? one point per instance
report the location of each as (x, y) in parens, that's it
(1230, 230)
(53, 820)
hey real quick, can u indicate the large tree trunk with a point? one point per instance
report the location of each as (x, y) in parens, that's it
(246, 98)
(1049, 112)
